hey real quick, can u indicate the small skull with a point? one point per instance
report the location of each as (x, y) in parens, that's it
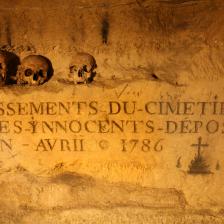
(82, 68)
(33, 70)
(3, 67)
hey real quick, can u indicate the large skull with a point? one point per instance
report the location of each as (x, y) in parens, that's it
(3, 67)
(33, 70)
(82, 68)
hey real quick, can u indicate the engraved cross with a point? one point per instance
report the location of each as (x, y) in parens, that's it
(199, 145)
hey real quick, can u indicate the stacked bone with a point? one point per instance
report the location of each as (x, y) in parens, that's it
(35, 70)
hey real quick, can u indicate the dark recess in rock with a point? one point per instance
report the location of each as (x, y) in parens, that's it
(105, 29)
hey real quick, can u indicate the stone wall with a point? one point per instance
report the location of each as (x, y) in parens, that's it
(142, 143)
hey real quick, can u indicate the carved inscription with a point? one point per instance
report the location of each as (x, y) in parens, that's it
(134, 125)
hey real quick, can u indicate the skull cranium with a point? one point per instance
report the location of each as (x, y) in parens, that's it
(3, 67)
(33, 70)
(82, 68)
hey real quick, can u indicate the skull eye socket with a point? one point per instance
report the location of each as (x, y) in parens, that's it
(28, 72)
(41, 74)
(73, 69)
(85, 68)
(0, 66)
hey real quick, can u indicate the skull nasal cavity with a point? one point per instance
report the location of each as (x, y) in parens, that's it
(80, 73)
(0, 66)
(35, 77)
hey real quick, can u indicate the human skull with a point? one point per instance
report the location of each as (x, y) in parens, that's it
(82, 68)
(33, 70)
(3, 67)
